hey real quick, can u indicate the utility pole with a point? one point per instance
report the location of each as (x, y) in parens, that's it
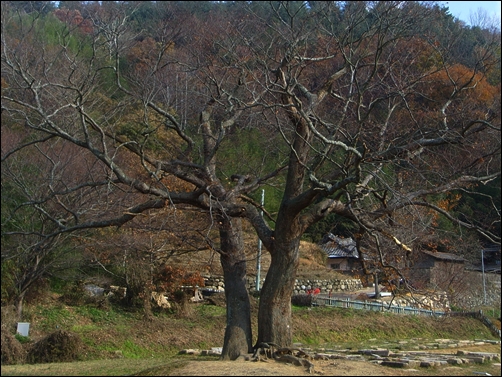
(258, 259)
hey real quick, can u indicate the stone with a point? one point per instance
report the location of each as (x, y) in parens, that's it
(160, 300)
(378, 352)
(413, 363)
(321, 356)
(394, 364)
(478, 360)
(190, 351)
(427, 364)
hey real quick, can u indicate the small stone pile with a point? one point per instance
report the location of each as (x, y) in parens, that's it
(214, 351)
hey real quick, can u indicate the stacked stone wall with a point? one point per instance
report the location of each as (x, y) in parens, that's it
(327, 286)
(301, 285)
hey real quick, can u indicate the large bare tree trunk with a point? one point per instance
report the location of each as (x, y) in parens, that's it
(274, 316)
(238, 333)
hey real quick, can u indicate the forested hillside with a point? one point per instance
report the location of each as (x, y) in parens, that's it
(137, 132)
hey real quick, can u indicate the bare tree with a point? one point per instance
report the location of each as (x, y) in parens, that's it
(378, 121)
(32, 212)
(74, 87)
(371, 113)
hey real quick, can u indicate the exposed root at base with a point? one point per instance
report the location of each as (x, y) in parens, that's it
(265, 351)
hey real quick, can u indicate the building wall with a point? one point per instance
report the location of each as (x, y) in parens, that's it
(432, 273)
(342, 264)
(444, 274)
(424, 261)
(419, 277)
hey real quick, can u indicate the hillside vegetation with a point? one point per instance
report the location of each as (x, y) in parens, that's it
(147, 144)
(112, 331)
(108, 329)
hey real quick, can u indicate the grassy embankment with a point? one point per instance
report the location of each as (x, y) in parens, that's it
(111, 335)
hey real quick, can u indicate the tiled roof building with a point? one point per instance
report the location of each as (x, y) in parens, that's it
(342, 252)
(336, 246)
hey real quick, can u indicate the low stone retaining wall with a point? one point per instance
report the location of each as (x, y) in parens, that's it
(327, 286)
(217, 283)
(473, 294)
(436, 301)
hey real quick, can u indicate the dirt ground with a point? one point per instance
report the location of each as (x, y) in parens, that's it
(273, 368)
(324, 368)
(341, 367)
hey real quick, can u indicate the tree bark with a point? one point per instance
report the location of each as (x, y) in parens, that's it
(274, 316)
(238, 333)
(147, 304)
(18, 304)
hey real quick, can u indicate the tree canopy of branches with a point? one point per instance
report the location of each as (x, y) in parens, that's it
(360, 109)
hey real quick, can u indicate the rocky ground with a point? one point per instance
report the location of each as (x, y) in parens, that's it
(417, 357)
(442, 358)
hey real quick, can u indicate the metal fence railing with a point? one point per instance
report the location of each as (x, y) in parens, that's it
(374, 306)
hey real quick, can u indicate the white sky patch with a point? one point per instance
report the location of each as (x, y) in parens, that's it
(464, 10)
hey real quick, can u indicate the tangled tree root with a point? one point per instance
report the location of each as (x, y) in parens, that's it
(295, 356)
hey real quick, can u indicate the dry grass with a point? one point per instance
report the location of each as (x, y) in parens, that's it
(150, 347)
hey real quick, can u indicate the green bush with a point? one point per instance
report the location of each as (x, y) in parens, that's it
(22, 339)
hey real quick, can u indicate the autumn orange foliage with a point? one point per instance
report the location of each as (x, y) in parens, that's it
(171, 279)
(74, 17)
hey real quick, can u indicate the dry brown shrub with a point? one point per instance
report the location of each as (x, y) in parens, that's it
(60, 346)
(302, 300)
(75, 294)
(11, 349)
(312, 252)
(37, 292)
(362, 297)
